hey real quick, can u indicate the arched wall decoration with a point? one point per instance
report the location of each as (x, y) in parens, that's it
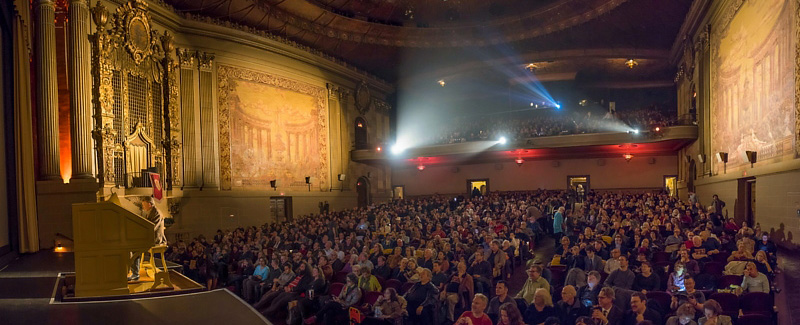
(363, 98)
(227, 79)
(731, 132)
(134, 93)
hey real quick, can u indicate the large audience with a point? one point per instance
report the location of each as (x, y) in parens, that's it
(466, 129)
(619, 258)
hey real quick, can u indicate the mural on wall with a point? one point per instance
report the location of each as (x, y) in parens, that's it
(271, 128)
(753, 83)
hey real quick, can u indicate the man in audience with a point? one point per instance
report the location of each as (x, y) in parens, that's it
(588, 293)
(535, 281)
(501, 297)
(382, 269)
(421, 298)
(592, 261)
(753, 280)
(569, 309)
(622, 277)
(606, 313)
(481, 270)
(639, 311)
(476, 316)
(612, 264)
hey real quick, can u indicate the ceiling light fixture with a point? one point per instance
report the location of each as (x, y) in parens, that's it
(532, 67)
(631, 63)
(441, 82)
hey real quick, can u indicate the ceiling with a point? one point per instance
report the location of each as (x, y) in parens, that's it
(402, 39)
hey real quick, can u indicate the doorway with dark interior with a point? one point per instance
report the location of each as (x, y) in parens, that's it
(362, 188)
(361, 138)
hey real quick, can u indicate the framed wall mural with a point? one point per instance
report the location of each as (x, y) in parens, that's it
(754, 53)
(271, 128)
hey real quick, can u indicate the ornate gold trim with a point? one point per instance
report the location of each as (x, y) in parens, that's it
(226, 75)
(797, 79)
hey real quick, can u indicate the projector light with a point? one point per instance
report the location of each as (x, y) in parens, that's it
(502, 140)
(397, 149)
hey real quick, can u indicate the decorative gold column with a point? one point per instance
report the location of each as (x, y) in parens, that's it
(47, 91)
(80, 90)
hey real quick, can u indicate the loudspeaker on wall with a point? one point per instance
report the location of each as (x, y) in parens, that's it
(701, 158)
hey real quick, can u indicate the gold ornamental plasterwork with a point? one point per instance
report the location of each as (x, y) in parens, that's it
(125, 47)
(226, 75)
(797, 79)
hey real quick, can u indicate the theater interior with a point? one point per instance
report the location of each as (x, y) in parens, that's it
(400, 161)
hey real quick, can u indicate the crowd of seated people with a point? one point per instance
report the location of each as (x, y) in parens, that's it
(466, 129)
(621, 259)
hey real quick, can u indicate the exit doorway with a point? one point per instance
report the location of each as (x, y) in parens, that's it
(750, 201)
(397, 192)
(477, 187)
(280, 208)
(671, 184)
(578, 184)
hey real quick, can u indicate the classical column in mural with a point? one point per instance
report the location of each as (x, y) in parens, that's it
(47, 91)
(80, 90)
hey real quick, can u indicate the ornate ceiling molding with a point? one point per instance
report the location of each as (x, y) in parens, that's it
(292, 17)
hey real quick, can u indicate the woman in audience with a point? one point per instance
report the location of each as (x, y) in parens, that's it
(410, 272)
(338, 306)
(541, 308)
(309, 304)
(684, 316)
(252, 284)
(510, 315)
(388, 309)
(712, 312)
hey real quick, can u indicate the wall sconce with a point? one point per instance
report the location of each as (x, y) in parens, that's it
(441, 82)
(421, 167)
(519, 161)
(627, 157)
(631, 63)
(274, 184)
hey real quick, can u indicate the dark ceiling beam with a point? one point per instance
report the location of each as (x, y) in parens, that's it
(543, 56)
(630, 84)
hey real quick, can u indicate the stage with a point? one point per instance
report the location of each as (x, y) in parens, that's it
(28, 292)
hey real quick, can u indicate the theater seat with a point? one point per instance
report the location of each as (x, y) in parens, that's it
(728, 301)
(756, 303)
(394, 283)
(662, 298)
(340, 277)
(754, 319)
(336, 289)
(726, 281)
(406, 286)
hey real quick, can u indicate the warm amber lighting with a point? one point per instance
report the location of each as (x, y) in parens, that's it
(631, 63)
(658, 129)
(421, 167)
(532, 67)
(441, 82)
(360, 125)
(378, 149)
(627, 157)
